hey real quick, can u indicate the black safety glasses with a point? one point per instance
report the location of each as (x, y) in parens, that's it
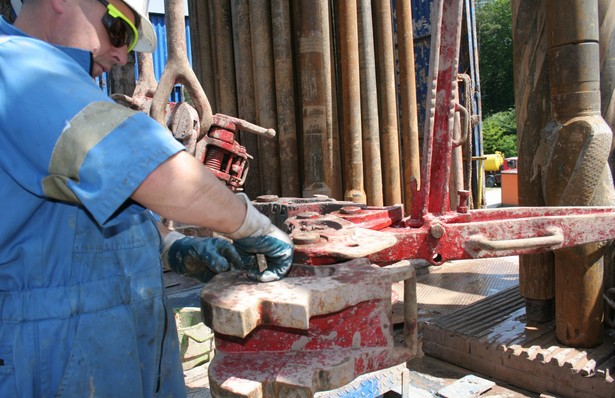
(121, 31)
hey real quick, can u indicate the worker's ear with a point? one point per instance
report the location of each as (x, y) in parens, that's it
(59, 6)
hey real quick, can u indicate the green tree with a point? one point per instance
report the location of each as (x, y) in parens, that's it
(494, 26)
(500, 133)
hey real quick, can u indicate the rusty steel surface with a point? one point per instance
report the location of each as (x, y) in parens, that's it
(313, 53)
(246, 103)
(409, 130)
(369, 106)
(391, 177)
(264, 90)
(285, 97)
(317, 329)
(351, 99)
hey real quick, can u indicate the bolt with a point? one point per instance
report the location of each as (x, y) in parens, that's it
(308, 215)
(350, 210)
(305, 238)
(437, 231)
(267, 198)
(464, 195)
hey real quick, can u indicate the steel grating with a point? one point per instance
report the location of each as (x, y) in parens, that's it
(492, 337)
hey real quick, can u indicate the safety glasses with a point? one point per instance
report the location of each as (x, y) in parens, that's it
(121, 31)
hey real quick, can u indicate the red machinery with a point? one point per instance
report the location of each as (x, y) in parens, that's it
(306, 332)
(433, 231)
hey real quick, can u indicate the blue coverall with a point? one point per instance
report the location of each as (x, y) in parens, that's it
(82, 305)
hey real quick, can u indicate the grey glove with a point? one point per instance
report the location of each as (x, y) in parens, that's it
(257, 235)
(200, 258)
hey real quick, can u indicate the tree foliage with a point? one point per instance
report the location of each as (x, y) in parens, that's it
(500, 133)
(494, 26)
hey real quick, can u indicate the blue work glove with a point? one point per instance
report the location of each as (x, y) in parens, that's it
(257, 235)
(199, 258)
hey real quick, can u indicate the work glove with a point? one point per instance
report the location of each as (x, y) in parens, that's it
(257, 235)
(199, 258)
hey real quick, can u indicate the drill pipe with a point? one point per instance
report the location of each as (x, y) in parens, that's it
(333, 167)
(351, 97)
(260, 26)
(388, 104)
(246, 104)
(202, 55)
(226, 88)
(407, 82)
(285, 97)
(312, 53)
(369, 106)
(536, 271)
(573, 158)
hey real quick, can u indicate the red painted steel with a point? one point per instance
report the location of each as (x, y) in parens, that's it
(317, 329)
(225, 157)
(433, 232)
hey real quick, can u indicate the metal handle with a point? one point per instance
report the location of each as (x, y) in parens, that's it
(553, 239)
(464, 125)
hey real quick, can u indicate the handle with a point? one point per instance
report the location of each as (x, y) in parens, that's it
(464, 125)
(553, 239)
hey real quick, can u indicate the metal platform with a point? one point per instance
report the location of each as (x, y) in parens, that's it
(491, 337)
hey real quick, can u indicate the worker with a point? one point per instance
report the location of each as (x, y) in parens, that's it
(82, 305)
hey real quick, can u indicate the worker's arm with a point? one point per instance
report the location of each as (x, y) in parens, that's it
(184, 190)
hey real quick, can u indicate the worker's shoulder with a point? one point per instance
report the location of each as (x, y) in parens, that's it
(29, 58)
(14, 47)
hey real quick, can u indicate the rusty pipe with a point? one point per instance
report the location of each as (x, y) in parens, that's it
(226, 88)
(312, 53)
(388, 104)
(246, 105)
(285, 97)
(351, 99)
(332, 155)
(369, 106)
(536, 271)
(202, 56)
(264, 89)
(408, 109)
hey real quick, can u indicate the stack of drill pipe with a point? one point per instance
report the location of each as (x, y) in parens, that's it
(536, 272)
(255, 66)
